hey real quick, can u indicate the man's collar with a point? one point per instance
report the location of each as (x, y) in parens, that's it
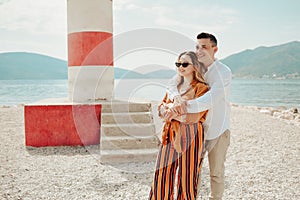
(212, 65)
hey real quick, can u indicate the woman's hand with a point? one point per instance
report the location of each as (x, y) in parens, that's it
(163, 110)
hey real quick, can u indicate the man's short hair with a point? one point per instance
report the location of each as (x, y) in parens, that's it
(211, 37)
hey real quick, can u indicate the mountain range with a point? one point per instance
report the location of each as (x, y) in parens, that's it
(24, 65)
(279, 60)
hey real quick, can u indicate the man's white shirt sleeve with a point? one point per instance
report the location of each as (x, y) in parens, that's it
(219, 81)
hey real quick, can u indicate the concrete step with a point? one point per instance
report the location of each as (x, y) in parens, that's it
(134, 130)
(124, 107)
(127, 132)
(126, 142)
(126, 118)
(132, 155)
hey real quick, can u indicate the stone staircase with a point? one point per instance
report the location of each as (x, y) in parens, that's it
(127, 133)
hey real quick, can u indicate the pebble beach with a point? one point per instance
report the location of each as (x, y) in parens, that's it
(262, 163)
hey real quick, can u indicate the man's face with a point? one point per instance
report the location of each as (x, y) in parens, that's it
(205, 50)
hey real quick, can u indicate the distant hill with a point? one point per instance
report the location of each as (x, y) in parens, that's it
(161, 74)
(127, 74)
(280, 60)
(22, 65)
(263, 61)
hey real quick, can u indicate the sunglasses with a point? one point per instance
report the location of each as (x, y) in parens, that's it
(178, 64)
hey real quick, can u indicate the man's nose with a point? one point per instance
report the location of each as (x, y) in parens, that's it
(200, 49)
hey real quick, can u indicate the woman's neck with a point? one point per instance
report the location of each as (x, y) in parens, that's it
(188, 79)
(182, 88)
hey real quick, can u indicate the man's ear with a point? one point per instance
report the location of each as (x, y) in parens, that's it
(215, 49)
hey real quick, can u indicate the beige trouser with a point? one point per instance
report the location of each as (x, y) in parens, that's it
(217, 150)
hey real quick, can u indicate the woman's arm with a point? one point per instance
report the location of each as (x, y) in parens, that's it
(165, 105)
(200, 89)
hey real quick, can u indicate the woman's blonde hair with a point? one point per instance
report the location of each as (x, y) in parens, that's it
(198, 66)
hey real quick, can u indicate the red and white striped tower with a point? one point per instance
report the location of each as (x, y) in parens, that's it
(59, 122)
(90, 50)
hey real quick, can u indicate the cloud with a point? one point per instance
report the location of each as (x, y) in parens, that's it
(49, 17)
(44, 23)
(188, 16)
(3, 1)
(176, 16)
(38, 17)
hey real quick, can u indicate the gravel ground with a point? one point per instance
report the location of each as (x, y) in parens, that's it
(262, 163)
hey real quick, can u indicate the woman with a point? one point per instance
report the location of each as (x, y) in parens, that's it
(182, 137)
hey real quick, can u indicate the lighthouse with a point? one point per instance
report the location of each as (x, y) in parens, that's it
(90, 50)
(75, 120)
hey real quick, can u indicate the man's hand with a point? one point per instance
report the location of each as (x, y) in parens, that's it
(178, 100)
(180, 109)
(168, 115)
(175, 111)
(179, 106)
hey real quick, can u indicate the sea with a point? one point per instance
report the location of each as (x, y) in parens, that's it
(250, 92)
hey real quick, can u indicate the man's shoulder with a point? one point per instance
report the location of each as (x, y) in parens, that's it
(223, 70)
(223, 67)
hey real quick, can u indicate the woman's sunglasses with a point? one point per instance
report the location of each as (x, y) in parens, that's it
(183, 64)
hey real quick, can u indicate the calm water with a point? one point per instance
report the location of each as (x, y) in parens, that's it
(14, 92)
(263, 92)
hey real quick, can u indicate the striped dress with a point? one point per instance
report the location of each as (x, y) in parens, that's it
(187, 161)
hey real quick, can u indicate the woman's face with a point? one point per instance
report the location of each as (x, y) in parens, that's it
(185, 71)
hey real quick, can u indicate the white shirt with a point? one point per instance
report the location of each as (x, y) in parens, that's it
(216, 100)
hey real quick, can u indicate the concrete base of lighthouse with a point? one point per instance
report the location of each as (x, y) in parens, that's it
(59, 122)
(75, 120)
(123, 131)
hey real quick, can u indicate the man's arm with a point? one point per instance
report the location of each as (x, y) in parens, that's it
(217, 91)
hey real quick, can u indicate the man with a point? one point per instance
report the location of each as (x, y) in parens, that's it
(216, 100)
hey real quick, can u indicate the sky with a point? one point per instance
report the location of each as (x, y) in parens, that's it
(40, 26)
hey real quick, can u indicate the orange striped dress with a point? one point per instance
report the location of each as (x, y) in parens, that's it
(187, 159)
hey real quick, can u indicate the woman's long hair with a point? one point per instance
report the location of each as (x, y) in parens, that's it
(198, 66)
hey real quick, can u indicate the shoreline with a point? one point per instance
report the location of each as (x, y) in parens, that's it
(289, 115)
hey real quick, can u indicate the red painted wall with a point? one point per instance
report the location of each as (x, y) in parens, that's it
(62, 125)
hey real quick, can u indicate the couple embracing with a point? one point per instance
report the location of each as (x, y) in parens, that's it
(196, 112)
